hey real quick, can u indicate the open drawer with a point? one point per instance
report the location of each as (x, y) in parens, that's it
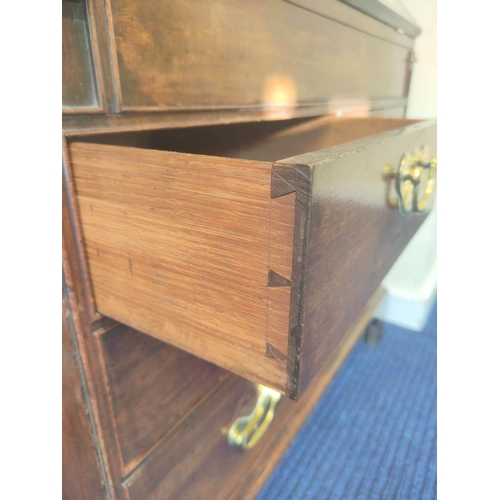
(253, 246)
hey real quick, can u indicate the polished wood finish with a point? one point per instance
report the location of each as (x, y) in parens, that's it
(194, 460)
(341, 13)
(185, 73)
(87, 125)
(353, 236)
(152, 386)
(101, 39)
(81, 468)
(233, 258)
(197, 54)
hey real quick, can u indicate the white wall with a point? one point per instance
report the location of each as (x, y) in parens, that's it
(411, 283)
(422, 101)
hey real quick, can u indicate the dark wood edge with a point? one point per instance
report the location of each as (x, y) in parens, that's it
(85, 391)
(242, 107)
(346, 15)
(385, 15)
(96, 110)
(299, 178)
(275, 280)
(92, 371)
(79, 125)
(305, 164)
(113, 59)
(103, 53)
(109, 405)
(358, 145)
(90, 6)
(68, 186)
(276, 445)
(410, 60)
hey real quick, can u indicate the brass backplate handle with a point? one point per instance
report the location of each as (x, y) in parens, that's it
(246, 431)
(408, 178)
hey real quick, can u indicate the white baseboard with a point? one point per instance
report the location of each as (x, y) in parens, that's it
(411, 313)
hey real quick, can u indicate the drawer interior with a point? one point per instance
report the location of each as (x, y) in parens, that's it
(262, 141)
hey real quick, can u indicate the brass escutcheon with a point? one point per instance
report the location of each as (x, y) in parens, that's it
(408, 177)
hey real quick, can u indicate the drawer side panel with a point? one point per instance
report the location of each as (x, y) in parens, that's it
(178, 247)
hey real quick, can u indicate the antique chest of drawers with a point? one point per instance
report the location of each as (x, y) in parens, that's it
(238, 178)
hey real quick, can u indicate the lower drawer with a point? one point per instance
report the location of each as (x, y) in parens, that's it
(151, 386)
(197, 462)
(252, 246)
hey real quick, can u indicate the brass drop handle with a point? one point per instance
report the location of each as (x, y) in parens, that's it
(246, 431)
(408, 177)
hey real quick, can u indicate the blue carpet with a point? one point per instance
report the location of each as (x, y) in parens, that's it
(373, 433)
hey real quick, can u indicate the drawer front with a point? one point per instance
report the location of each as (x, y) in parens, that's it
(256, 265)
(353, 237)
(151, 387)
(213, 53)
(197, 462)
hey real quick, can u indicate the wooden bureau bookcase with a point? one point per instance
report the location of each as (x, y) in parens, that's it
(234, 192)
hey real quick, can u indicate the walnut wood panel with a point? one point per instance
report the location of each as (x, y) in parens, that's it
(79, 90)
(152, 385)
(353, 236)
(188, 247)
(197, 462)
(215, 54)
(81, 472)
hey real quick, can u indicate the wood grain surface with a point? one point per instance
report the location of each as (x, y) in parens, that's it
(152, 386)
(349, 16)
(87, 125)
(258, 268)
(178, 247)
(214, 54)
